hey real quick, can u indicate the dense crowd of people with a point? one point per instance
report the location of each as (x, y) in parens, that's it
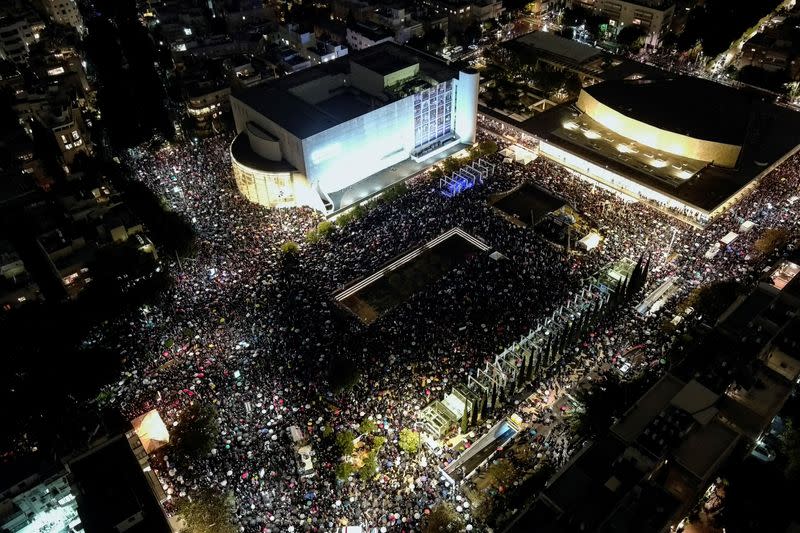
(256, 332)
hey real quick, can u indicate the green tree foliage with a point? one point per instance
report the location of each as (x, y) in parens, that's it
(369, 468)
(717, 23)
(768, 79)
(367, 426)
(378, 442)
(344, 442)
(197, 430)
(312, 236)
(344, 470)
(444, 519)
(409, 441)
(600, 406)
(208, 512)
(324, 228)
(131, 93)
(290, 248)
(712, 299)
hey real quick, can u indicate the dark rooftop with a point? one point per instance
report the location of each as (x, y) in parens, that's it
(770, 133)
(287, 110)
(113, 489)
(686, 105)
(383, 63)
(275, 101)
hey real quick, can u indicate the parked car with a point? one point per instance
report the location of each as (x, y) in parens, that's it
(763, 453)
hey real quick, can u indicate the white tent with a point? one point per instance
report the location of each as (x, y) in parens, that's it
(713, 250)
(151, 430)
(746, 226)
(590, 241)
(729, 238)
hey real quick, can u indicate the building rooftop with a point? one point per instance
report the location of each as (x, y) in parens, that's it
(647, 408)
(385, 64)
(302, 118)
(550, 43)
(689, 106)
(771, 132)
(114, 493)
(704, 447)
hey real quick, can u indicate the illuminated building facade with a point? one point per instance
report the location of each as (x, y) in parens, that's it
(304, 138)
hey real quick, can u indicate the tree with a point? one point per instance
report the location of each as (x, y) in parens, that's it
(312, 236)
(712, 299)
(503, 472)
(472, 33)
(324, 228)
(367, 426)
(409, 441)
(369, 468)
(342, 374)
(208, 512)
(344, 442)
(290, 248)
(771, 240)
(434, 37)
(444, 519)
(790, 446)
(170, 230)
(344, 470)
(197, 430)
(631, 36)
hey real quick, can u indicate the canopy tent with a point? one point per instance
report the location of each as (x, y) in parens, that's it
(151, 430)
(713, 250)
(746, 226)
(729, 238)
(590, 241)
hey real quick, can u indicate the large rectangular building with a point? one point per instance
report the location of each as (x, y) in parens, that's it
(331, 135)
(686, 144)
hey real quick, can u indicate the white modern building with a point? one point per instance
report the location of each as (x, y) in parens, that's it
(336, 133)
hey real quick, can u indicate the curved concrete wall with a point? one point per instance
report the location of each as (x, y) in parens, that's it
(263, 143)
(721, 154)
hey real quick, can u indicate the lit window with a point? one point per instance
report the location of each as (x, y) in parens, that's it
(75, 135)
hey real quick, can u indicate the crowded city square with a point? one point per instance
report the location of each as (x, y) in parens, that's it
(252, 329)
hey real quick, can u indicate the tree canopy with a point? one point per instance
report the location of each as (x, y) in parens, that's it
(197, 430)
(208, 512)
(409, 441)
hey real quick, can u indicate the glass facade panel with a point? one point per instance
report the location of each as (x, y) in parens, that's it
(433, 115)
